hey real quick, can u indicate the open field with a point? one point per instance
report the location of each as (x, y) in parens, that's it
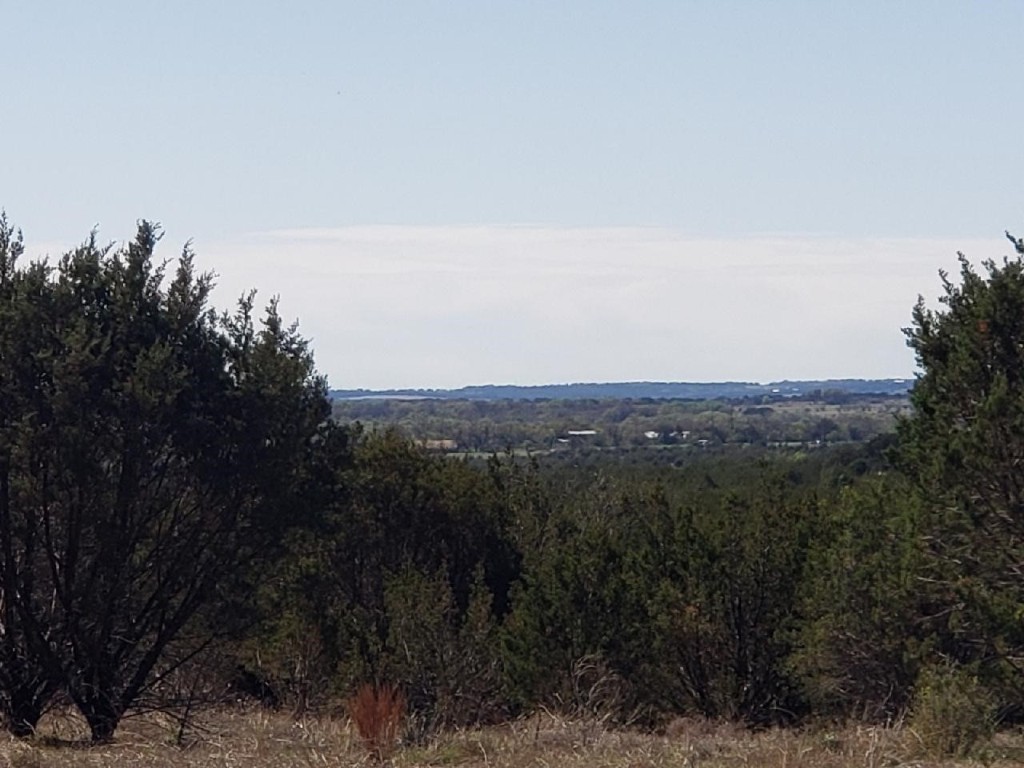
(258, 739)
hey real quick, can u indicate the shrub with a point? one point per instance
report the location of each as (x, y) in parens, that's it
(378, 712)
(952, 713)
(445, 660)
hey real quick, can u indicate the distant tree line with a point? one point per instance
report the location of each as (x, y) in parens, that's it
(640, 390)
(481, 426)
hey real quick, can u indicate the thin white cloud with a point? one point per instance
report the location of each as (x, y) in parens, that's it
(449, 306)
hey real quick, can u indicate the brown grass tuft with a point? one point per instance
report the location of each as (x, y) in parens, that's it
(377, 713)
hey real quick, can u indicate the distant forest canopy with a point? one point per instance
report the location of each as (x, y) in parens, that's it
(640, 389)
(819, 417)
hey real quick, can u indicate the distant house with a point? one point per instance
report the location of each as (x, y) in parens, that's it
(581, 432)
(652, 435)
(439, 445)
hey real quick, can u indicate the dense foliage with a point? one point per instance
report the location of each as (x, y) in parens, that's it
(151, 451)
(964, 448)
(171, 482)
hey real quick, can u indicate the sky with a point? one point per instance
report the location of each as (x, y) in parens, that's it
(469, 192)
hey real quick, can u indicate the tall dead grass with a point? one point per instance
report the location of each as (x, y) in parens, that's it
(260, 739)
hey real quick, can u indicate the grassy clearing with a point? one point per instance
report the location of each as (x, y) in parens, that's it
(257, 739)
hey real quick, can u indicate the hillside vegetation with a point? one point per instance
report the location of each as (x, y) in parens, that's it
(184, 526)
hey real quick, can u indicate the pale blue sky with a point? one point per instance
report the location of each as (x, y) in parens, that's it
(481, 143)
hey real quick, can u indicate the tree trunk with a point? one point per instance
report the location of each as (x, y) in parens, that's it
(24, 709)
(102, 718)
(26, 691)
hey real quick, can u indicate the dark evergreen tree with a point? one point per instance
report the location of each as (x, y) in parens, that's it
(964, 445)
(151, 451)
(26, 685)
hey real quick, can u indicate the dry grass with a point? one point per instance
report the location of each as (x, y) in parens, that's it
(262, 740)
(377, 713)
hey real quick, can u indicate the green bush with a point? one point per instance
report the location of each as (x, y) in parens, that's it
(445, 660)
(952, 713)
